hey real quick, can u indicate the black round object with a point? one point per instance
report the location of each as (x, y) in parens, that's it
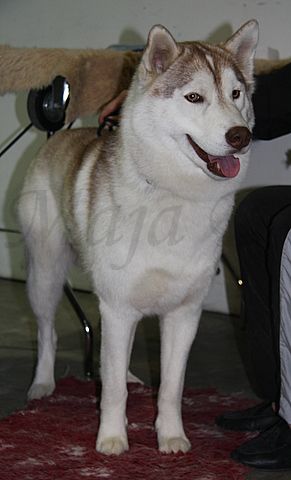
(47, 107)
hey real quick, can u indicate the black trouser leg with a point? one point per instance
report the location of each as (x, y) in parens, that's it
(262, 223)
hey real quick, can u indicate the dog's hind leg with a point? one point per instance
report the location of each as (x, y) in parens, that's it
(178, 330)
(48, 259)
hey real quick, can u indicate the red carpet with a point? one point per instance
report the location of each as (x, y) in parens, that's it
(54, 439)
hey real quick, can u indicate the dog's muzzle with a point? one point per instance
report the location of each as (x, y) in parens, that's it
(227, 166)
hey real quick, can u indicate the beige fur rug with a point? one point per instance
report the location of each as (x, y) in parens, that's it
(95, 76)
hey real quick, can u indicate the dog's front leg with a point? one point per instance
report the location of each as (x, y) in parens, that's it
(178, 330)
(117, 330)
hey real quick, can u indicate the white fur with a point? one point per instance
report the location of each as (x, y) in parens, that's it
(151, 239)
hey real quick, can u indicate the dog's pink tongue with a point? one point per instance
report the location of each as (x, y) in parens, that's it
(229, 165)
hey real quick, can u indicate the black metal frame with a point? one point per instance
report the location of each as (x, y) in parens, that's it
(87, 328)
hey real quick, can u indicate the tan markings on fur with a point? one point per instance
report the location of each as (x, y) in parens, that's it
(150, 288)
(73, 145)
(193, 58)
(104, 146)
(69, 150)
(222, 59)
(177, 75)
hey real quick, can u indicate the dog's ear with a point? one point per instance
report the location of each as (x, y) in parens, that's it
(160, 52)
(243, 45)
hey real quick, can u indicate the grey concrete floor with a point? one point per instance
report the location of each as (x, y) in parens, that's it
(215, 359)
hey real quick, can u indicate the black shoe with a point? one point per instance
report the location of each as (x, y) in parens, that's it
(252, 419)
(270, 450)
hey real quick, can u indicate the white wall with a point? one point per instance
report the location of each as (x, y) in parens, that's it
(97, 24)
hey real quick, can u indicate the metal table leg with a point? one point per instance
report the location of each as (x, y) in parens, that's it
(88, 331)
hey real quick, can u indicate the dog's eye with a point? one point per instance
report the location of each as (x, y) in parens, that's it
(194, 97)
(236, 94)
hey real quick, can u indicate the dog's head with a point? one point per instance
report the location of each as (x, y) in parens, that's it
(198, 96)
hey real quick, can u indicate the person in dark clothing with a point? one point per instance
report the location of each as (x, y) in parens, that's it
(262, 225)
(263, 239)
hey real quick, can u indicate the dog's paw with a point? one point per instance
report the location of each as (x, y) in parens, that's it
(39, 390)
(112, 445)
(174, 445)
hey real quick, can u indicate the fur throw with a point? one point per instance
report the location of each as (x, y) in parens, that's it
(95, 76)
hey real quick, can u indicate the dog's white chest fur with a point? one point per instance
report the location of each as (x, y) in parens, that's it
(155, 250)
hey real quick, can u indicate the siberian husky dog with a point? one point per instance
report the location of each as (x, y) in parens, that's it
(144, 209)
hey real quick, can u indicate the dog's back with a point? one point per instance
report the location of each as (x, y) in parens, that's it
(49, 193)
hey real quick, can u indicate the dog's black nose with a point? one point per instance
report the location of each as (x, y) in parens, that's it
(238, 137)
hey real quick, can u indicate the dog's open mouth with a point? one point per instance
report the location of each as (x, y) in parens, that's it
(227, 166)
